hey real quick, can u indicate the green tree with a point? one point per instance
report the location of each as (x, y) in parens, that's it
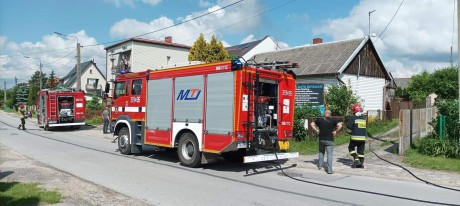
(34, 86)
(199, 50)
(52, 84)
(444, 83)
(216, 51)
(94, 104)
(419, 87)
(300, 115)
(208, 52)
(340, 99)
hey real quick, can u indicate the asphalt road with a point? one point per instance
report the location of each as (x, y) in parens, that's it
(159, 179)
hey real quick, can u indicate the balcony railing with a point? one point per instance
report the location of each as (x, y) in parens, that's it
(118, 69)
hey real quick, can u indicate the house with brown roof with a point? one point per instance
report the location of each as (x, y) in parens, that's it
(353, 62)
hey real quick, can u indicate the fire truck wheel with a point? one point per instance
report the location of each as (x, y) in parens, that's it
(188, 152)
(123, 141)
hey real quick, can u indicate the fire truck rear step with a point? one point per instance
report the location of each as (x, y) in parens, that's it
(270, 157)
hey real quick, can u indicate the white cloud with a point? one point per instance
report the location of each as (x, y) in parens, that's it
(247, 39)
(188, 32)
(418, 38)
(282, 45)
(152, 2)
(15, 64)
(120, 3)
(204, 3)
(131, 3)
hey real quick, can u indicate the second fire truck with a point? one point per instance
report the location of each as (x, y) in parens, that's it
(224, 109)
(60, 109)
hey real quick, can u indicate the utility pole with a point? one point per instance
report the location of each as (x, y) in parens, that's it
(78, 60)
(78, 67)
(370, 12)
(4, 92)
(41, 75)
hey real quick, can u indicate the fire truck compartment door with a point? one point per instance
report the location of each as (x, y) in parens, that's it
(159, 104)
(188, 99)
(219, 103)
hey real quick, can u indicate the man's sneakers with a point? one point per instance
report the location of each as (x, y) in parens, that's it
(330, 172)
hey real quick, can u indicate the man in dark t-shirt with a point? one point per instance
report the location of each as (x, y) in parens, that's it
(327, 128)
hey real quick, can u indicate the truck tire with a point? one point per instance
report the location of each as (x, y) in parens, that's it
(188, 152)
(123, 141)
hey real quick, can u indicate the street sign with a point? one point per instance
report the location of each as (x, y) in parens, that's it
(312, 94)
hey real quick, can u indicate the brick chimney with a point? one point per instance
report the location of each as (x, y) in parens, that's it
(317, 41)
(168, 39)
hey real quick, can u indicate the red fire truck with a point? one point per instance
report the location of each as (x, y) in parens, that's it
(60, 108)
(237, 111)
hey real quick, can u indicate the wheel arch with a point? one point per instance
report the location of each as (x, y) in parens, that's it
(179, 135)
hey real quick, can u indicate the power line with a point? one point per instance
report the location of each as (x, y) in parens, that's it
(197, 17)
(59, 58)
(27, 54)
(164, 28)
(390, 21)
(235, 23)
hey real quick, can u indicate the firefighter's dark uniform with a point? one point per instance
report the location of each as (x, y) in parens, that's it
(357, 125)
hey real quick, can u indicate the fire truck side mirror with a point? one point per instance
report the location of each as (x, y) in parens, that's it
(236, 64)
(107, 88)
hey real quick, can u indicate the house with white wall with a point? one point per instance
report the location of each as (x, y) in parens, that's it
(139, 54)
(353, 62)
(92, 79)
(249, 49)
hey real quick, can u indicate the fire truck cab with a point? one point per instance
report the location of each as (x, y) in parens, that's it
(227, 109)
(60, 108)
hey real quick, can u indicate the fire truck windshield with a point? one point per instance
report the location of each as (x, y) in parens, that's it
(119, 89)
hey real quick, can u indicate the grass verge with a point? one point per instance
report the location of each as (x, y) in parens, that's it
(94, 121)
(378, 126)
(417, 160)
(307, 147)
(16, 193)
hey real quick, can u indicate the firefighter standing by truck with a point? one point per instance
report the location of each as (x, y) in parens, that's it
(357, 125)
(22, 113)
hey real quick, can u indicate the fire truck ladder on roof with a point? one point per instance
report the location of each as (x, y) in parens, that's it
(275, 65)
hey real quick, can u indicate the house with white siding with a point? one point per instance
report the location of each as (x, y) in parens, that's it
(139, 54)
(92, 79)
(249, 49)
(354, 63)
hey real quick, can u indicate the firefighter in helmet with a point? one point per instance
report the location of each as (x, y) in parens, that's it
(22, 113)
(357, 125)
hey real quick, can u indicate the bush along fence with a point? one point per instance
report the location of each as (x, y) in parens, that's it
(414, 124)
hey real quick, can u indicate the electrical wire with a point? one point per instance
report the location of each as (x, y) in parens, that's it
(164, 28)
(59, 58)
(394, 15)
(109, 42)
(230, 25)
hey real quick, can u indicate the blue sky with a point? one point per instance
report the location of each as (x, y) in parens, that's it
(418, 39)
(292, 23)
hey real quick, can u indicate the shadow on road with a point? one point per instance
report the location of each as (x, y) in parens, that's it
(345, 161)
(4, 174)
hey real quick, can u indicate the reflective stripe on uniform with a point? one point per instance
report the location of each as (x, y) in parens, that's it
(360, 155)
(352, 152)
(361, 138)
